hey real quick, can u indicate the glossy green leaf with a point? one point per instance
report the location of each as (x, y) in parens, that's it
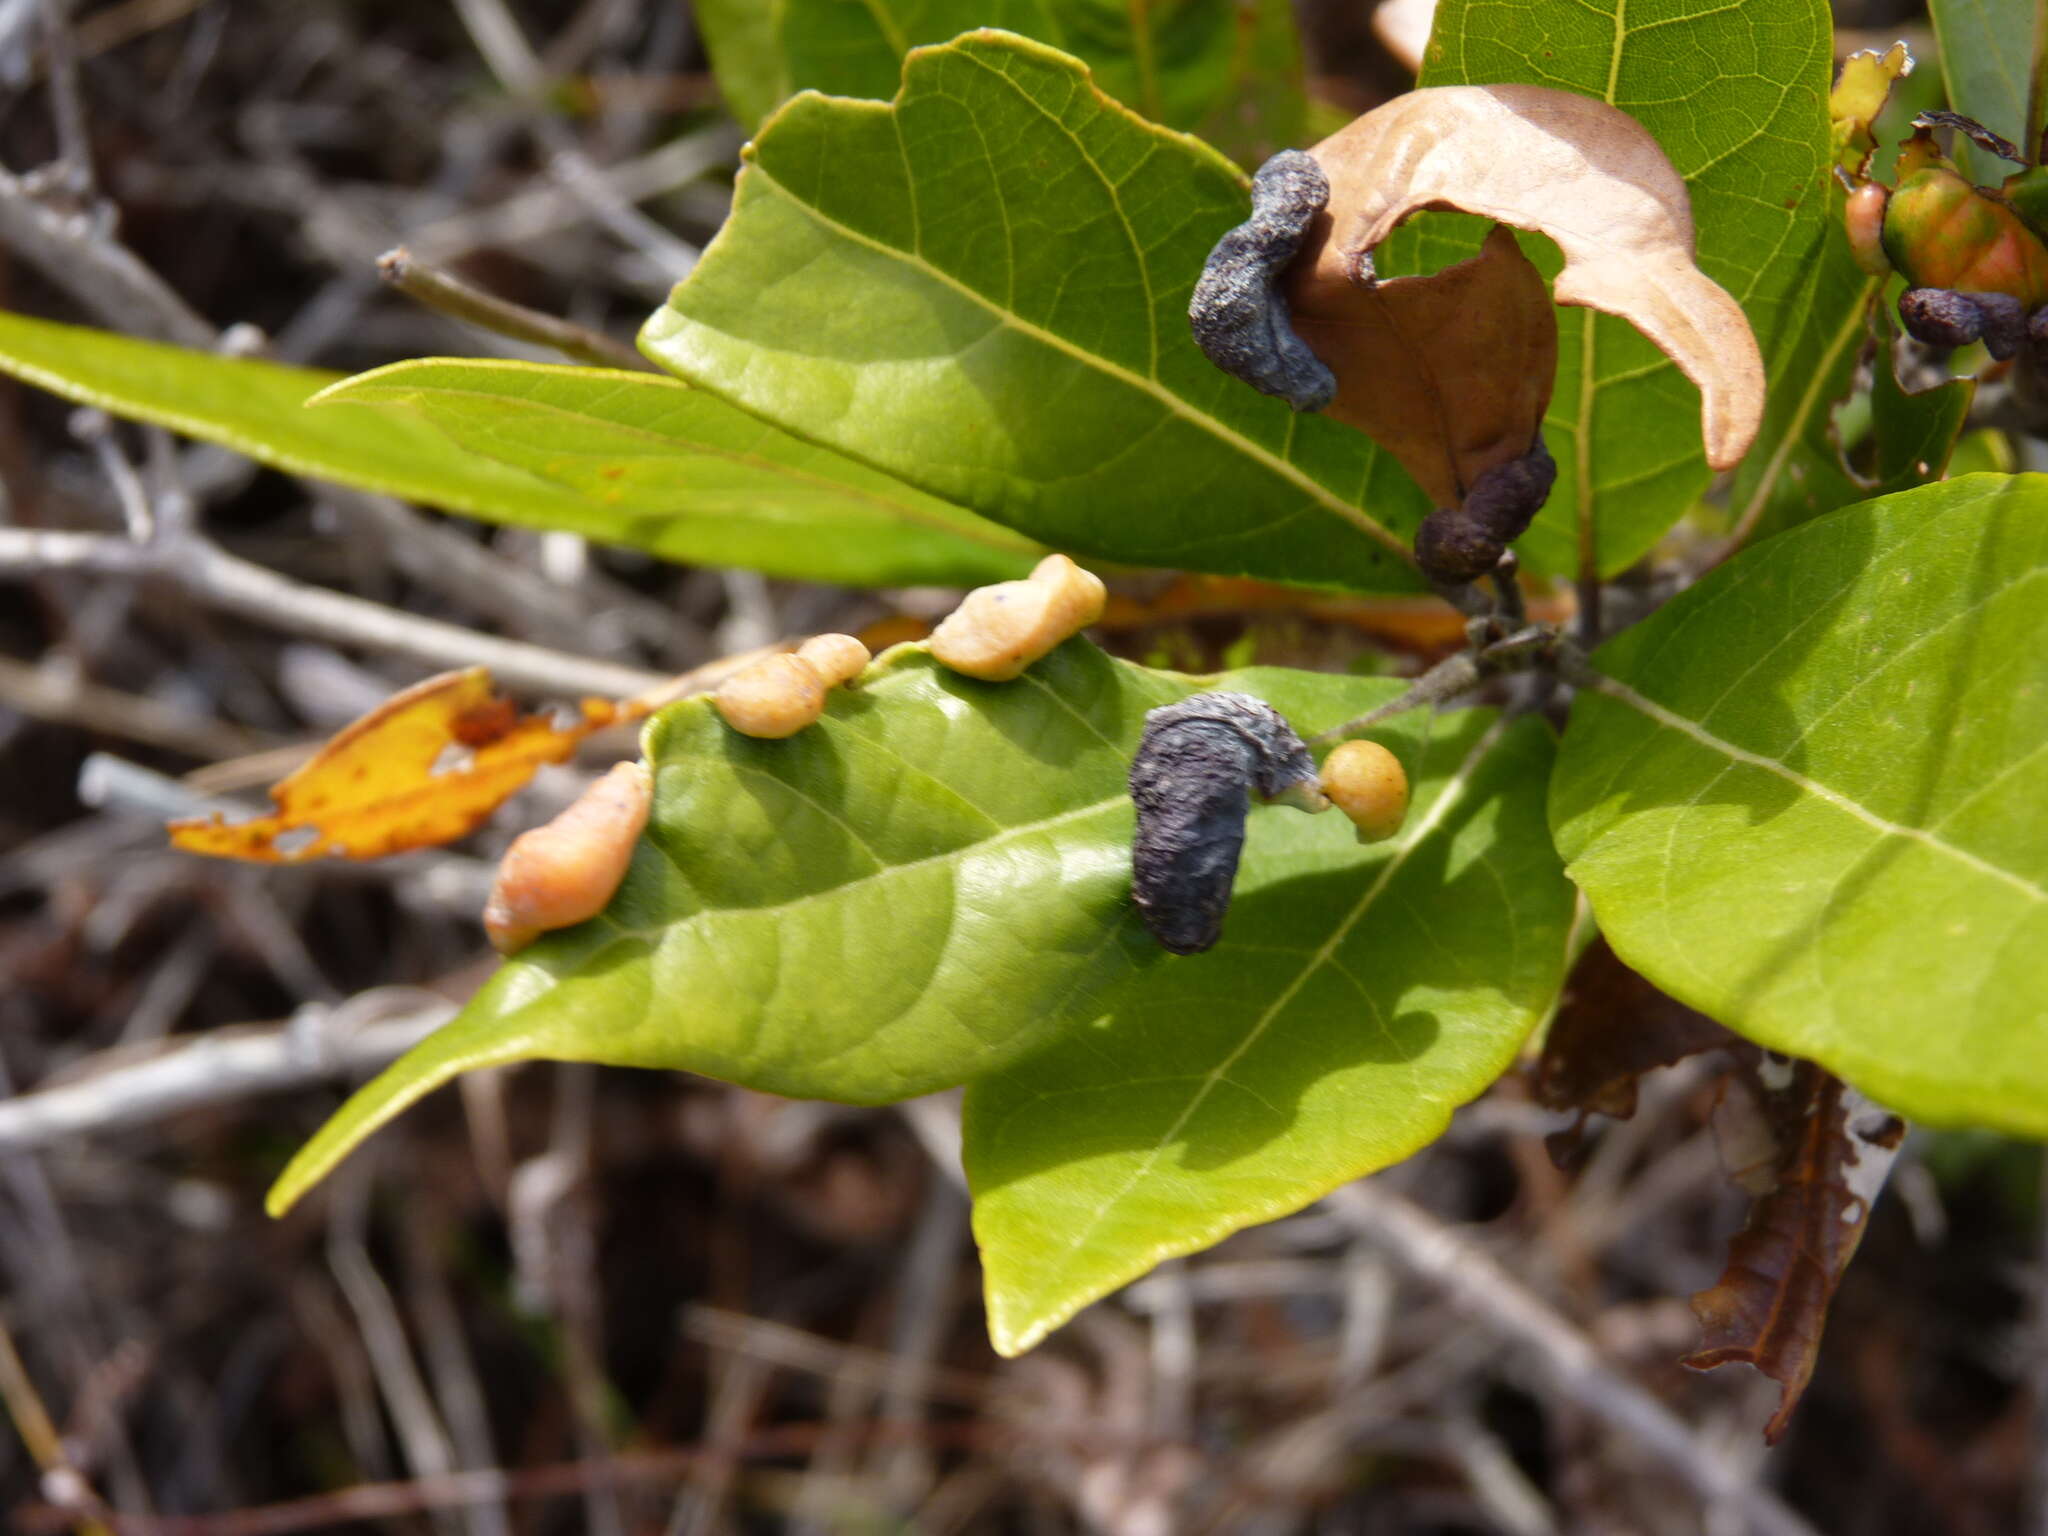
(1992, 54)
(1736, 93)
(1229, 70)
(737, 492)
(1810, 797)
(982, 288)
(926, 885)
(626, 445)
(1362, 994)
(1912, 435)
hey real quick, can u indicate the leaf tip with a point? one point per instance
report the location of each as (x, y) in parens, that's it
(465, 1043)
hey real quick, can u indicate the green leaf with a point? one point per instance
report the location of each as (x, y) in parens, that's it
(1227, 69)
(982, 288)
(926, 885)
(1993, 53)
(623, 444)
(737, 492)
(1360, 996)
(1736, 93)
(1804, 474)
(1810, 798)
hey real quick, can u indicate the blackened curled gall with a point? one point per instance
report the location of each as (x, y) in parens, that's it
(1238, 313)
(1943, 318)
(1459, 544)
(1197, 763)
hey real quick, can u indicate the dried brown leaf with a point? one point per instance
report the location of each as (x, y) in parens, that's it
(1816, 1152)
(1450, 373)
(1612, 1027)
(1584, 174)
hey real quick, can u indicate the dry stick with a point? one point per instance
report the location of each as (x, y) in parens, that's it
(1480, 1286)
(236, 586)
(74, 144)
(450, 295)
(94, 268)
(527, 216)
(114, 25)
(223, 1066)
(52, 695)
(520, 70)
(421, 1435)
(45, 1446)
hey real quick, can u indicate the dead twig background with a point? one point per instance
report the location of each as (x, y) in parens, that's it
(608, 1302)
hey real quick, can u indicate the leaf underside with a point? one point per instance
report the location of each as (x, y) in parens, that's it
(623, 458)
(1811, 798)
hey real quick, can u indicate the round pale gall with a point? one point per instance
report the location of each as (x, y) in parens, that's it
(1368, 784)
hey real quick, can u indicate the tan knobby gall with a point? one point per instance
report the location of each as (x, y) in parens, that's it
(780, 695)
(1000, 630)
(1576, 170)
(565, 872)
(1368, 784)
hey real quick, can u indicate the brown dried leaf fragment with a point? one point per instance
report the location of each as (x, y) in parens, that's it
(1613, 1027)
(1451, 373)
(1815, 1152)
(1584, 174)
(425, 767)
(564, 873)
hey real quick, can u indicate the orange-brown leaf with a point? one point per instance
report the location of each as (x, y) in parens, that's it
(1825, 1153)
(1613, 1026)
(427, 766)
(1450, 373)
(1579, 171)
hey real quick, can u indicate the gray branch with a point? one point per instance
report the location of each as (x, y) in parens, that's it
(225, 1066)
(1482, 1288)
(236, 586)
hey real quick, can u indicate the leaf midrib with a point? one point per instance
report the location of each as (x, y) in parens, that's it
(1621, 693)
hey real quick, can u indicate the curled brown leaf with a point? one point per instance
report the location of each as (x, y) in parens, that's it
(1450, 373)
(1814, 1152)
(1586, 175)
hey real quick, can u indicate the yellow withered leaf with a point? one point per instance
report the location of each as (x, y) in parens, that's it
(425, 767)
(1861, 90)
